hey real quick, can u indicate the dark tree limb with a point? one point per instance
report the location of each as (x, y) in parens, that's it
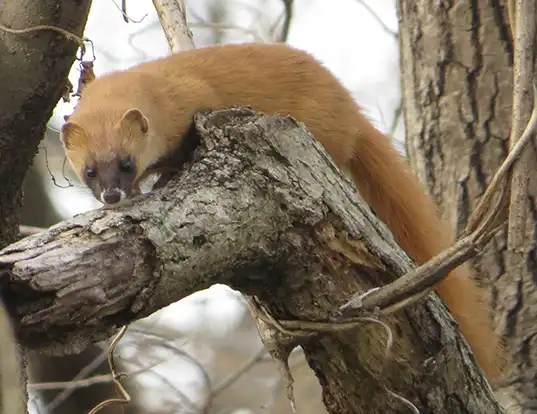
(262, 208)
(33, 72)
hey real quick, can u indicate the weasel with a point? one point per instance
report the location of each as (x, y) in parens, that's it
(127, 121)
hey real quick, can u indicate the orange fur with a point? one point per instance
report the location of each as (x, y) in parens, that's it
(279, 79)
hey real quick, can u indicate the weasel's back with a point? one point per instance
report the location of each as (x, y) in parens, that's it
(239, 68)
(272, 78)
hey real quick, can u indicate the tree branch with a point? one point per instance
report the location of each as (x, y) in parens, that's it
(261, 208)
(172, 16)
(522, 15)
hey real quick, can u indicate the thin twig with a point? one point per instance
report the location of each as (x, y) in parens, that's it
(87, 382)
(524, 29)
(49, 171)
(124, 10)
(229, 380)
(163, 342)
(297, 327)
(206, 24)
(124, 397)
(505, 169)
(374, 14)
(44, 27)
(396, 117)
(223, 26)
(67, 392)
(288, 10)
(126, 17)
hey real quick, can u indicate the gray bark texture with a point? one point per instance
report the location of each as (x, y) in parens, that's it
(457, 75)
(262, 208)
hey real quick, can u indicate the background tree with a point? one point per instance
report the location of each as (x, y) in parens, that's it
(457, 69)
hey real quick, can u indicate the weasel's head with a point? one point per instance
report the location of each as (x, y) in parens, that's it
(107, 154)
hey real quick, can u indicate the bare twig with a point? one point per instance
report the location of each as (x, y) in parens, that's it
(204, 24)
(524, 30)
(89, 381)
(126, 17)
(261, 19)
(297, 328)
(84, 372)
(124, 10)
(164, 342)
(288, 10)
(504, 171)
(229, 380)
(372, 12)
(68, 88)
(44, 27)
(172, 16)
(124, 397)
(396, 117)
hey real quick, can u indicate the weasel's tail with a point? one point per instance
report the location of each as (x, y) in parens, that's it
(399, 199)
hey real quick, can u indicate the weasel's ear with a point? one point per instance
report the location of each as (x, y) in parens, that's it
(134, 118)
(69, 132)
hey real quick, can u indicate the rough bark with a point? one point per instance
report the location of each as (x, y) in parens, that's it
(33, 71)
(250, 213)
(457, 76)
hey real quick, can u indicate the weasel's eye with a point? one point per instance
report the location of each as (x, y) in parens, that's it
(91, 172)
(126, 166)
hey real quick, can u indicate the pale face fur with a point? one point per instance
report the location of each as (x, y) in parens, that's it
(106, 150)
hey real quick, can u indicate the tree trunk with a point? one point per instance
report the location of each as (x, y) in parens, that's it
(33, 74)
(295, 236)
(457, 71)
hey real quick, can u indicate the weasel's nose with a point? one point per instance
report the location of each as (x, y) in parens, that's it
(112, 196)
